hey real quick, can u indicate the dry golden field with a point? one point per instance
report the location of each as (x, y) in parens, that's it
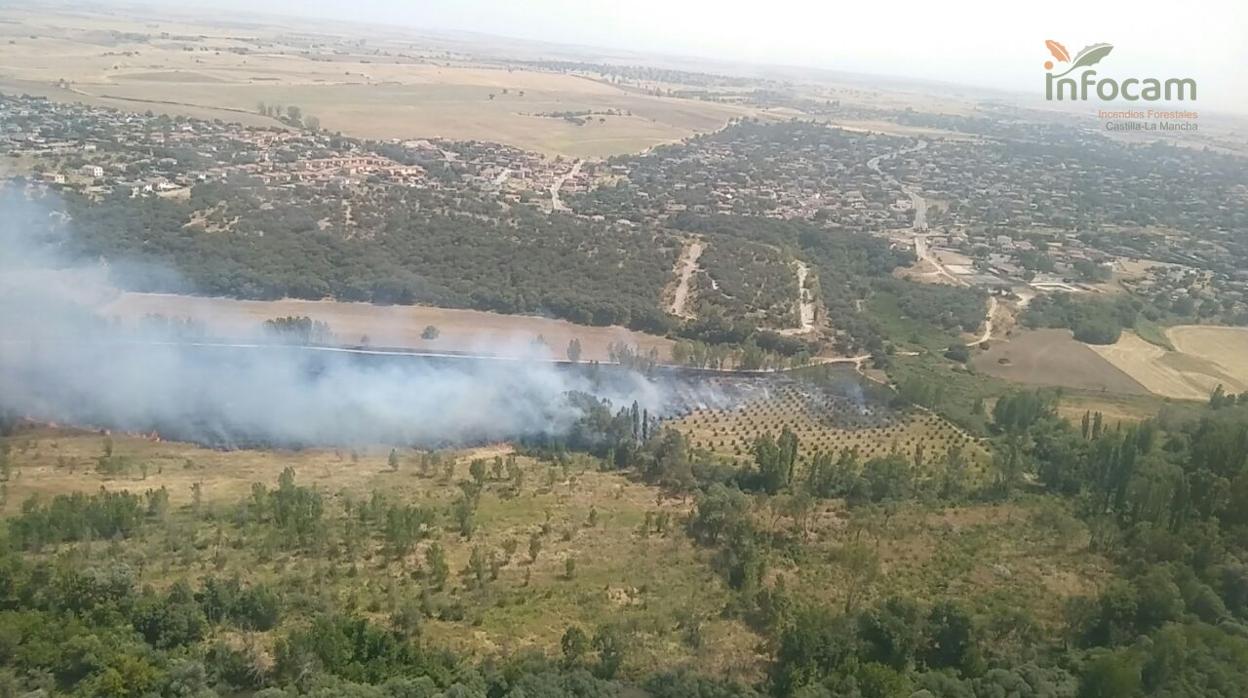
(1227, 347)
(390, 82)
(382, 86)
(1205, 358)
(399, 326)
(1115, 409)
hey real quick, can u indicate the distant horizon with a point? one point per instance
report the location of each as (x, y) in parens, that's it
(1207, 47)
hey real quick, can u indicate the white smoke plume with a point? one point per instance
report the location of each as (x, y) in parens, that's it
(61, 362)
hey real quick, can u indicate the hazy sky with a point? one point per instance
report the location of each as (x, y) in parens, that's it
(993, 43)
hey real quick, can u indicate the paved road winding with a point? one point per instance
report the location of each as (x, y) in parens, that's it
(919, 234)
(556, 204)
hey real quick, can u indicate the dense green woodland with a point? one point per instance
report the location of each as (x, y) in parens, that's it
(454, 244)
(1165, 500)
(1100, 321)
(415, 249)
(408, 246)
(1092, 321)
(847, 268)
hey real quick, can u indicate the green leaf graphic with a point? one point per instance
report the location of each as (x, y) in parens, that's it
(1091, 55)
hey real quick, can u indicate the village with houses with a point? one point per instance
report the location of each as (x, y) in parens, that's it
(986, 228)
(99, 151)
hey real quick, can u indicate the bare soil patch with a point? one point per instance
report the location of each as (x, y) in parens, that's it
(1053, 357)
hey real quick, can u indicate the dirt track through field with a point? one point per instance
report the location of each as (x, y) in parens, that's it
(687, 265)
(805, 301)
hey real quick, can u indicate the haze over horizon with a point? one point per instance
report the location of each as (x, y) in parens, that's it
(978, 43)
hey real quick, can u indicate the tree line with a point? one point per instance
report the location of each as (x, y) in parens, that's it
(1164, 499)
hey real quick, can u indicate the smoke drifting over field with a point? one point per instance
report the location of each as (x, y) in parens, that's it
(60, 362)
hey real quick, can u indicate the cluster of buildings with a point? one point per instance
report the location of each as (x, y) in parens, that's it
(1045, 262)
(100, 151)
(515, 175)
(792, 170)
(1004, 218)
(340, 170)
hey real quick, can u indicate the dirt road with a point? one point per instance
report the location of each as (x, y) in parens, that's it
(924, 253)
(992, 310)
(919, 226)
(919, 230)
(920, 204)
(685, 267)
(805, 302)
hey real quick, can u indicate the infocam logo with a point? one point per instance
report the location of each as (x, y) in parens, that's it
(1059, 87)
